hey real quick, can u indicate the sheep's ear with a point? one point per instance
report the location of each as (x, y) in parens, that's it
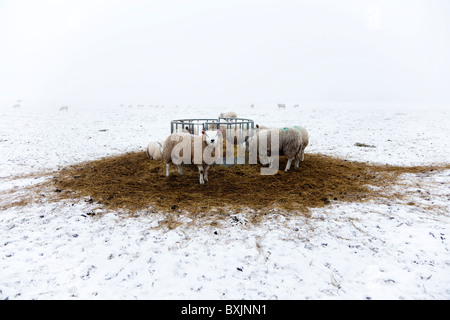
(203, 132)
(257, 126)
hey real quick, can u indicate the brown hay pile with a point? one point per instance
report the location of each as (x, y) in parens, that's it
(133, 182)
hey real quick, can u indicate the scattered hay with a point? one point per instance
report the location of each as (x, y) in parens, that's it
(363, 145)
(133, 182)
(21, 196)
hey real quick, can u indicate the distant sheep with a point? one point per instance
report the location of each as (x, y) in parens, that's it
(64, 108)
(295, 106)
(230, 114)
(16, 105)
(155, 150)
(202, 149)
(289, 144)
(281, 106)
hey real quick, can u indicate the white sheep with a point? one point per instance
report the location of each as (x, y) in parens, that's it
(154, 150)
(64, 108)
(17, 105)
(200, 150)
(305, 141)
(289, 144)
(295, 106)
(281, 106)
(230, 114)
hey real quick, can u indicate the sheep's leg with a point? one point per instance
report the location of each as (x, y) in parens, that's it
(179, 169)
(167, 169)
(205, 174)
(288, 164)
(200, 169)
(297, 158)
(303, 154)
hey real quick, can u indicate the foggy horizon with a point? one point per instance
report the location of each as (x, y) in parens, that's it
(223, 52)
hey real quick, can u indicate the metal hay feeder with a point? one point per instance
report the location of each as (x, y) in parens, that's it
(235, 130)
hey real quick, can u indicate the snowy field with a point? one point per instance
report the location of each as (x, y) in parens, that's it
(373, 250)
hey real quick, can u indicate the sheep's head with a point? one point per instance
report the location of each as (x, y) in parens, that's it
(212, 137)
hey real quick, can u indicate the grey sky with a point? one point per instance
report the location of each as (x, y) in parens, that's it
(223, 52)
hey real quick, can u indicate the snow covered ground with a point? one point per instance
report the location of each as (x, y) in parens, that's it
(374, 250)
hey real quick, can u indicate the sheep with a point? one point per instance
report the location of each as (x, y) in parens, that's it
(17, 105)
(305, 142)
(202, 149)
(154, 150)
(230, 114)
(289, 144)
(281, 106)
(223, 127)
(295, 106)
(64, 108)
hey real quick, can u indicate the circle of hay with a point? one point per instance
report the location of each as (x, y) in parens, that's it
(133, 182)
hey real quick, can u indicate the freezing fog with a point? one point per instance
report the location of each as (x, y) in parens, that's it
(92, 53)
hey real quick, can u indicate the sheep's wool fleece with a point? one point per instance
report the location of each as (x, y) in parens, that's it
(305, 136)
(290, 140)
(154, 151)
